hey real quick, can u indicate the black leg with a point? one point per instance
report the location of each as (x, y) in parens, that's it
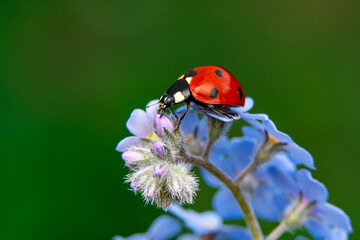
(187, 105)
(174, 114)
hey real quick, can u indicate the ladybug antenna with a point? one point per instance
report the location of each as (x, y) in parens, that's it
(152, 104)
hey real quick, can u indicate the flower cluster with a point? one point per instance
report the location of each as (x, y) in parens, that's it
(262, 174)
(157, 169)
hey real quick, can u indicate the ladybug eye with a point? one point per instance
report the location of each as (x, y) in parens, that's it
(168, 100)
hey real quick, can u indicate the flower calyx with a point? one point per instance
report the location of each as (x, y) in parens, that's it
(296, 214)
(268, 149)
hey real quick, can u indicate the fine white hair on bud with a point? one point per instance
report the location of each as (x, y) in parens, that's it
(158, 171)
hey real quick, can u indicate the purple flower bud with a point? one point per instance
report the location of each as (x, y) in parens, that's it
(163, 122)
(134, 184)
(129, 156)
(176, 187)
(160, 171)
(150, 193)
(159, 148)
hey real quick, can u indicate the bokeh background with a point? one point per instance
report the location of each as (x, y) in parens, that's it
(71, 72)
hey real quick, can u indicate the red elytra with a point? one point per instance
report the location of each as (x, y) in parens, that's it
(211, 87)
(216, 85)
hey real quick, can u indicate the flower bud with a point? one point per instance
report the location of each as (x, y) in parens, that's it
(159, 171)
(135, 183)
(163, 122)
(176, 187)
(297, 213)
(130, 156)
(268, 149)
(151, 191)
(216, 128)
(158, 147)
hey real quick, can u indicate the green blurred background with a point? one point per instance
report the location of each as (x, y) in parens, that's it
(71, 72)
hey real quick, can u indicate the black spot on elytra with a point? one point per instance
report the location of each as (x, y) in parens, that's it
(240, 93)
(218, 73)
(214, 92)
(190, 74)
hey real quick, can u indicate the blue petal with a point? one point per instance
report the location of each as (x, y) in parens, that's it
(264, 203)
(255, 124)
(300, 155)
(117, 238)
(139, 123)
(337, 234)
(226, 205)
(234, 233)
(272, 130)
(199, 223)
(333, 215)
(242, 152)
(220, 148)
(317, 228)
(219, 156)
(282, 201)
(297, 153)
(152, 110)
(210, 179)
(283, 163)
(189, 123)
(284, 182)
(202, 134)
(249, 103)
(188, 236)
(164, 227)
(253, 132)
(257, 116)
(138, 236)
(127, 142)
(312, 189)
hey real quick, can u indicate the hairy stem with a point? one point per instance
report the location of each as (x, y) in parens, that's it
(277, 232)
(249, 215)
(207, 149)
(245, 172)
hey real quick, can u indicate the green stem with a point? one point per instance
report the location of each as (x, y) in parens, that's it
(277, 232)
(207, 149)
(249, 168)
(249, 215)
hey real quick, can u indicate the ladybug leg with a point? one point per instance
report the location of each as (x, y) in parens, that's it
(225, 111)
(174, 114)
(187, 105)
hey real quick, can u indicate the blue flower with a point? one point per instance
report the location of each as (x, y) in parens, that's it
(296, 153)
(208, 223)
(198, 223)
(163, 228)
(232, 156)
(141, 125)
(309, 197)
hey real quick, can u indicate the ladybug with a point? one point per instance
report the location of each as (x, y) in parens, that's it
(211, 87)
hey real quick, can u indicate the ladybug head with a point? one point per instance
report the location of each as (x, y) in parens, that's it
(165, 101)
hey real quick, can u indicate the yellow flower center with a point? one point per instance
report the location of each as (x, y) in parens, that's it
(272, 139)
(190, 138)
(152, 136)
